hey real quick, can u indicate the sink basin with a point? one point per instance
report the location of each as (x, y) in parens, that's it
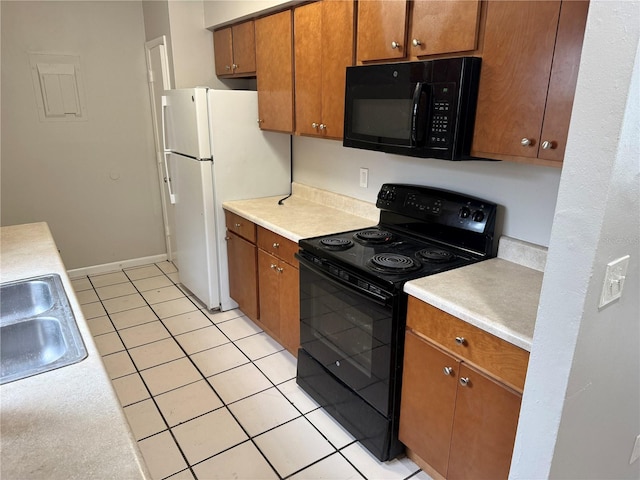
(38, 331)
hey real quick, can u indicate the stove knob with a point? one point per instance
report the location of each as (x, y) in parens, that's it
(465, 212)
(478, 216)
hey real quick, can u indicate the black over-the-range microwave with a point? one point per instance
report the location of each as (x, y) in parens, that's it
(421, 109)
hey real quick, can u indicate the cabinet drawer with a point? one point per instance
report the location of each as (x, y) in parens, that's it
(497, 357)
(277, 245)
(240, 226)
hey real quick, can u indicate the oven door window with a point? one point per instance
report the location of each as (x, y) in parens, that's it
(349, 334)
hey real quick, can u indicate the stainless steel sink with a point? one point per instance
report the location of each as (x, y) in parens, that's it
(38, 331)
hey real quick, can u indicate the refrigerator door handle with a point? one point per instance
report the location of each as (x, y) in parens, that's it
(166, 153)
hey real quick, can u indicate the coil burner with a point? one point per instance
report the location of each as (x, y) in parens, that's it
(373, 237)
(393, 263)
(336, 244)
(435, 255)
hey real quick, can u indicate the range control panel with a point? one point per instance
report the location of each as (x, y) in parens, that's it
(437, 206)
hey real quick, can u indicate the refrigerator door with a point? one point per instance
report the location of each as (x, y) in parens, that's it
(247, 163)
(186, 122)
(195, 227)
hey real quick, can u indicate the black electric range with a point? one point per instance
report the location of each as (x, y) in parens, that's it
(353, 308)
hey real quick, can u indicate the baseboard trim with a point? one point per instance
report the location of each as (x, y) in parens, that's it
(112, 267)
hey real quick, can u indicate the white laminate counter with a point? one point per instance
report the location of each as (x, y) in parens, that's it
(498, 296)
(65, 423)
(297, 217)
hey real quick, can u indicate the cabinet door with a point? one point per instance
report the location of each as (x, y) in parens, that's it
(223, 51)
(484, 429)
(289, 307)
(274, 70)
(243, 276)
(308, 72)
(443, 27)
(337, 55)
(244, 48)
(381, 25)
(516, 63)
(269, 292)
(428, 401)
(564, 75)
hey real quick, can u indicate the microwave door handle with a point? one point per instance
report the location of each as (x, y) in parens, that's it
(416, 135)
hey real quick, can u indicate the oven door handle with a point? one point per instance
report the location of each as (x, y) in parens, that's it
(384, 300)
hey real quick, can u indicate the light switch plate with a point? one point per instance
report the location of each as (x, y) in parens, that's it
(364, 177)
(614, 280)
(636, 451)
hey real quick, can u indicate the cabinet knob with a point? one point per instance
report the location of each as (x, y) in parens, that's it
(234, 66)
(279, 269)
(227, 238)
(276, 245)
(460, 340)
(416, 43)
(546, 145)
(273, 266)
(447, 370)
(395, 45)
(322, 126)
(227, 67)
(314, 125)
(464, 381)
(237, 225)
(259, 121)
(526, 142)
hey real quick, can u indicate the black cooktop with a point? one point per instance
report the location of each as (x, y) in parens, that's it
(422, 231)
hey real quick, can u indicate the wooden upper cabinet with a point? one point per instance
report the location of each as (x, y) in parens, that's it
(274, 70)
(382, 30)
(324, 45)
(564, 76)
(235, 50)
(515, 97)
(443, 27)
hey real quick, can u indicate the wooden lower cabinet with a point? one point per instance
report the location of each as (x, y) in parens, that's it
(279, 300)
(243, 274)
(459, 422)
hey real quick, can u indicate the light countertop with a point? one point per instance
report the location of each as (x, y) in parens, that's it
(66, 423)
(297, 217)
(496, 295)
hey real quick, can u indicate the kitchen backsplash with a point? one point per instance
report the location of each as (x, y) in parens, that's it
(523, 253)
(335, 200)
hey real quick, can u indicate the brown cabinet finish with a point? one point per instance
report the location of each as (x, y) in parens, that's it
(382, 30)
(502, 359)
(279, 287)
(274, 71)
(240, 226)
(235, 50)
(484, 428)
(515, 89)
(323, 43)
(458, 421)
(443, 27)
(428, 401)
(243, 274)
(564, 76)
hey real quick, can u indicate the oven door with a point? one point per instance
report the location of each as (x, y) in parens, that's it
(349, 332)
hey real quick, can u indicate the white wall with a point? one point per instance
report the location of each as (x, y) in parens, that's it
(527, 193)
(94, 182)
(221, 12)
(581, 406)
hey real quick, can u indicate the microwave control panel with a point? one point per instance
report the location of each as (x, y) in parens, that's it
(442, 114)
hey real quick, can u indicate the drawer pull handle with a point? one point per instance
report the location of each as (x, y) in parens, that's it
(448, 370)
(460, 340)
(464, 381)
(276, 245)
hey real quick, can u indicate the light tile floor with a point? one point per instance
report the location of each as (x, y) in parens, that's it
(209, 395)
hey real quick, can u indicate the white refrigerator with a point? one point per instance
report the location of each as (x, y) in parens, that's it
(214, 151)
